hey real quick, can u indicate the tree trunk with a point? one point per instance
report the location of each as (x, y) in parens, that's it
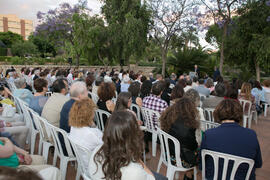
(164, 60)
(77, 60)
(221, 62)
(258, 71)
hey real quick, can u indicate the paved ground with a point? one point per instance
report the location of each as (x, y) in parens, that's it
(263, 133)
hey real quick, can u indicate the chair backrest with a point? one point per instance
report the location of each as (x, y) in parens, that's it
(150, 117)
(137, 110)
(267, 97)
(41, 124)
(208, 114)
(216, 156)
(165, 151)
(55, 131)
(208, 125)
(79, 152)
(94, 97)
(99, 118)
(202, 97)
(201, 113)
(246, 106)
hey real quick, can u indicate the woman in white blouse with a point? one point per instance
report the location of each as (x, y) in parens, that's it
(83, 129)
(120, 155)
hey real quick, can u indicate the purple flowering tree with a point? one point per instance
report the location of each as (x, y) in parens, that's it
(171, 18)
(220, 12)
(58, 26)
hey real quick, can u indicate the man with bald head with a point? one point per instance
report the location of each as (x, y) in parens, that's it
(77, 91)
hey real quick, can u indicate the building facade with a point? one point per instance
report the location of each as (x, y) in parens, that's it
(14, 24)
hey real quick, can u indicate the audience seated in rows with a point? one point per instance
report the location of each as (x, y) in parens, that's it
(213, 101)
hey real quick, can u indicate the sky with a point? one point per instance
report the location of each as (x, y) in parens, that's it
(27, 9)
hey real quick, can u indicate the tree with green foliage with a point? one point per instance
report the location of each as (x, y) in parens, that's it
(9, 38)
(128, 26)
(249, 42)
(23, 49)
(44, 46)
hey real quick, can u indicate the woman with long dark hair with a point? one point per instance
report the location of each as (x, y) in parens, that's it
(181, 121)
(120, 155)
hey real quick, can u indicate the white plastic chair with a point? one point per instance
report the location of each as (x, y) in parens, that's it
(165, 156)
(267, 103)
(79, 152)
(227, 157)
(202, 98)
(149, 116)
(59, 151)
(208, 125)
(209, 114)
(99, 118)
(44, 136)
(247, 114)
(33, 128)
(85, 177)
(94, 97)
(137, 110)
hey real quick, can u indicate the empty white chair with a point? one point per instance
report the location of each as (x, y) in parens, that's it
(227, 157)
(247, 112)
(80, 151)
(149, 116)
(208, 125)
(209, 114)
(94, 97)
(44, 136)
(99, 118)
(137, 110)
(64, 159)
(165, 156)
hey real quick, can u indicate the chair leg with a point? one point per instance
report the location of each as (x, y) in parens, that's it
(195, 173)
(78, 174)
(170, 173)
(39, 146)
(265, 110)
(33, 142)
(249, 121)
(154, 144)
(159, 163)
(46, 148)
(54, 158)
(244, 122)
(63, 167)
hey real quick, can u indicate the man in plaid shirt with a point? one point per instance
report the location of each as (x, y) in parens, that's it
(154, 101)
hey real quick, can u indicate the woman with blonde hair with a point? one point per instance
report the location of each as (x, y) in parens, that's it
(83, 129)
(246, 94)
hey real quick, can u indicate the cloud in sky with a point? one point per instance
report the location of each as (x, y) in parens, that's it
(27, 9)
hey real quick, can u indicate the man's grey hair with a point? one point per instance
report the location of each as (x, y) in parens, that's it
(19, 82)
(77, 88)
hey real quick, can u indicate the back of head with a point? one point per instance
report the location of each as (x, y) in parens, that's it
(182, 110)
(122, 101)
(246, 88)
(58, 85)
(201, 81)
(82, 113)
(257, 84)
(182, 82)
(99, 80)
(167, 82)
(122, 144)
(228, 109)
(195, 79)
(146, 88)
(134, 88)
(194, 96)
(106, 91)
(177, 92)
(209, 83)
(77, 88)
(220, 90)
(40, 84)
(7, 173)
(158, 87)
(20, 82)
(189, 82)
(266, 83)
(159, 77)
(89, 80)
(231, 92)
